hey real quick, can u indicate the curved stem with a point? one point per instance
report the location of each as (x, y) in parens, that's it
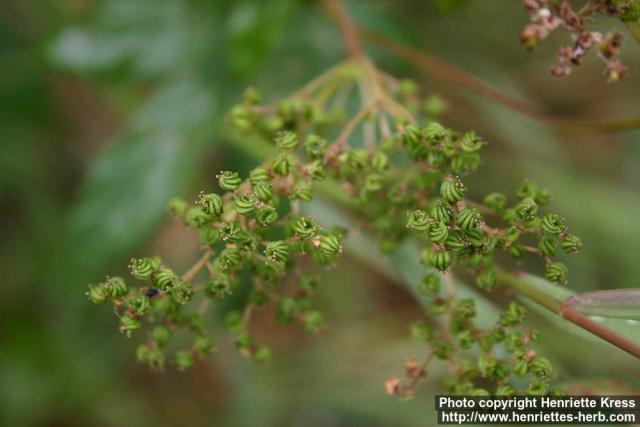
(350, 33)
(448, 72)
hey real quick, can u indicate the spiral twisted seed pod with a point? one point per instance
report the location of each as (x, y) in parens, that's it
(263, 191)
(434, 132)
(305, 227)
(129, 324)
(552, 224)
(527, 209)
(177, 207)
(471, 143)
(315, 146)
(259, 175)
(245, 204)
(380, 162)
(229, 181)
(452, 189)
(418, 220)
(440, 260)
(556, 272)
(438, 232)
(144, 268)
(283, 164)
(116, 287)
(316, 170)
(457, 241)
(266, 215)
(166, 278)
(196, 217)
(140, 305)
(468, 219)
(97, 294)
(441, 213)
(181, 292)
(331, 244)
(211, 204)
(497, 202)
(487, 280)
(287, 140)
(547, 246)
(277, 251)
(571, 244)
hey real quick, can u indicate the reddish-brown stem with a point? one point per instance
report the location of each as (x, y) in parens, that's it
(199, 265)
(448, 72)
(603, 332)
(349, 30)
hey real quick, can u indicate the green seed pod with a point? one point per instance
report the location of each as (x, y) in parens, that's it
(509, 216)
(263, 191)
(476, 237)
(196, 217)
(411, 135)
(537, 387)
(183, 360)
(219, 284)
(166, 278)
(422, 332)
(430, 285)
(442, 212)
(505, 390)
(465, 309)
(240, 117)
(521, 368)
(548, 245)
(468, 219)
(228, 259)
(527, 209)
(552, 224)
(302, 191)
(513, 315)
(129, 324)
(230, 232)
(465, 339)
(440, 260)
(211, 204)
(305, 227)
(229, 181)
(181, 292)
(144, 268)
(452, 189)
(97, 294)
(541, 367)
(442, 349)
(487, 280)
(434, 132)
(330, 244)
(266, 215)
(177, 207)
(516, 251)
(313, 321)
(380, 162)
(245, 204)
(438, 232)
(486, 366)
(315, 147)
(286, 140)
(203, 345)
(116, 287)
(283, 164)
(556, 272)
(457, 241)
(140, 304)
(512, 235)
(277, 251)
(153, 357)
(316, 170)
(262, 355)
(161, 335)
(497, 202)
(259, 176)
(471, 143)
(418, 220)
(373, 182)
(571, 244)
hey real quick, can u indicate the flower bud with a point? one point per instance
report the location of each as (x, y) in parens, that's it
(526, 209)
(571, 244)
(552, 224)
(277, 251)
(468, 219)
(418, 220)
(556, 272)
(287, 140)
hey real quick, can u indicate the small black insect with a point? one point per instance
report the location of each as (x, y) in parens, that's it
(152, 292)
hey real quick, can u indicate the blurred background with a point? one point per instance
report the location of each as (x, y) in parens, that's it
(109, 108)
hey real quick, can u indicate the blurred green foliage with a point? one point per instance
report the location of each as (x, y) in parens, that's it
(109, 108)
